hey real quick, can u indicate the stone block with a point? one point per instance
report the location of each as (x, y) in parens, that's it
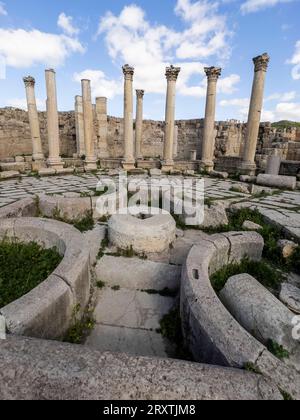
(248, 225)
(258, 311)
(134, 273)
(290, 296)
(287, 247)
(277, 181)
(14, 166)
(9, 175)
(49, 370)
(47, 172)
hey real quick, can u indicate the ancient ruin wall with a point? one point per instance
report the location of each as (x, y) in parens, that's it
(15, 136)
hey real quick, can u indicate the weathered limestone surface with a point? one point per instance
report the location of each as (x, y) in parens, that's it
(153, 234)
(258, 311)
(277, 181)
(50, 371)
(79, 121)
(129, 158)
(261, 65)
(171, 75)
(33, 119)
(54, 159)
(102, 130)
(139, 124)
(208, 147)
(138, 274)
(88, 123)
(290, 296)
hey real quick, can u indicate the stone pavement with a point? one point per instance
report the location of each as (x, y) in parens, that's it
(129, 308)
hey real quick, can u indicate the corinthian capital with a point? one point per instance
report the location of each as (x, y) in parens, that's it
(128, 72)
(172, 73)
(29, 81)
(140, 94)
(261, 62)
(213, 73)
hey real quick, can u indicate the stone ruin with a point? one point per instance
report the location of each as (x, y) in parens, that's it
(132, 277)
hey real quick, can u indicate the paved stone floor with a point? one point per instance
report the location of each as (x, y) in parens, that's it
(127, 315)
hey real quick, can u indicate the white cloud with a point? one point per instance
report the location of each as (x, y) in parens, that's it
(251, 6)
(284, 97)
(131, 38)
(3, 11)
(295, 60)
(21, 103)
(101, 85)
(21, 48)
(66, 24)
(288, 111)
(239, 102)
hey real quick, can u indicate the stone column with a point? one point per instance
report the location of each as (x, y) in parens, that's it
(79, 126)
(273, 163)
(193, 155)
(209, 134)
(171, 75)
(260, 68)
(129, 161)
(88, 118)
(33, 119)
(139, 124)
(175, 146)
(101, 113)
(54, 160)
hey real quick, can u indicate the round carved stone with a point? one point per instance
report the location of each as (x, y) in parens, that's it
(144, 232)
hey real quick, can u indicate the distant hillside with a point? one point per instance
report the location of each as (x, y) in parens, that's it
(286, 124)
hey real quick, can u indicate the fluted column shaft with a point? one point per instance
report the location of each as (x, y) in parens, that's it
(208, 145)
(101, 112)
(88, 117)
(54, 159)
(260, 68)
(33, 119)
(139, 123)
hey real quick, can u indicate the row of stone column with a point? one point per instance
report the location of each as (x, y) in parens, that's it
(85, 120)
(84, 115)
(248, 165)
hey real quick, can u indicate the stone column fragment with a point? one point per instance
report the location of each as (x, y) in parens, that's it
(33, 119)
(79, 122)
(171, 75)
(260, 69)
(88, 117)
(101, 113)
(209, 134)
(54, 160)
(129, 160)
(139, 124)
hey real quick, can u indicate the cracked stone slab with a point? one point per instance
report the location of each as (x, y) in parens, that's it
(135, 342)
(134, 273)
(132, 309)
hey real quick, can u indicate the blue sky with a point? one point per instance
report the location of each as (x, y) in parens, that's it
(93, 39)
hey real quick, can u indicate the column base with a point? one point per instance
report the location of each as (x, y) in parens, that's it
(55, 163)
(167, 165)
(128, 165)
(38, 157)
(247, 168)
(206, 165)
(90, 164)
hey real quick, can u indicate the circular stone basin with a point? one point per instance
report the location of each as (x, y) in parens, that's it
(142, 230)
(47, 310)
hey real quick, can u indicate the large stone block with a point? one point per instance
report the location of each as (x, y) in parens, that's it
(277, 181)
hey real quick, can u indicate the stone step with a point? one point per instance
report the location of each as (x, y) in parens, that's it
(137, 274)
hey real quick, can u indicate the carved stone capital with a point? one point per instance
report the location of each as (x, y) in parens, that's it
(213, 73)
(140, 94)
(128, 72)
(172, 73)
(29, 81)
(261, 62)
